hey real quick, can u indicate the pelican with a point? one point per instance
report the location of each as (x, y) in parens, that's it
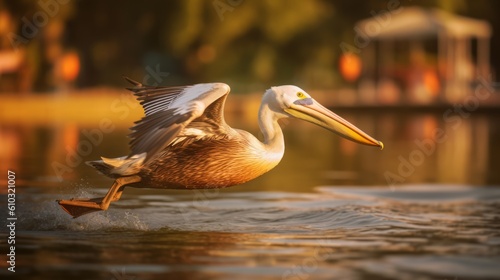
(183, 141)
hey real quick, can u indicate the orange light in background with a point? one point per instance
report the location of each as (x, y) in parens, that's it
(5, 22)
(206, 53)
(70, 66)
(429, 127)
(11, 61)
(431, 82)
(350, 66)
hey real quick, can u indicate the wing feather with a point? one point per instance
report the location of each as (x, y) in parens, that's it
(169, 110)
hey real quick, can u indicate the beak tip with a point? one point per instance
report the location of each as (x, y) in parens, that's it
(381, 145)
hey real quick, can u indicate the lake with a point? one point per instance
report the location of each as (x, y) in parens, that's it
(425, 207)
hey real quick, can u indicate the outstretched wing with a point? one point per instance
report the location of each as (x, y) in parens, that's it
(168, 110)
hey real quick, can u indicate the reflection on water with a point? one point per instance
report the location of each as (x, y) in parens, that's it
(419, 147)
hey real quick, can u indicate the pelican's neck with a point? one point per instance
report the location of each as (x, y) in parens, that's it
(273, 136)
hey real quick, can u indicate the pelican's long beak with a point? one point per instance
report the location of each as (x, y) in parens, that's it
(310, 110)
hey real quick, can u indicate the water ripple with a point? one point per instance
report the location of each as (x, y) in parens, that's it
(424, 231)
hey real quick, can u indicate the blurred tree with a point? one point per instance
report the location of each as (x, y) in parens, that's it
(250, 41)
(37, 32)
(249, 44)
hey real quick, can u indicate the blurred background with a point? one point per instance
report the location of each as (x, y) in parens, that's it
(418, 75)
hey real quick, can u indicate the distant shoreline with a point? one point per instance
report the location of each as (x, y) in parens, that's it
(89, 106)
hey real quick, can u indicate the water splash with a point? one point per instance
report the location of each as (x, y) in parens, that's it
(331, 208)
(41, 212)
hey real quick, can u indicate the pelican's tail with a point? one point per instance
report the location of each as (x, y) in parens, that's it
(119, 167)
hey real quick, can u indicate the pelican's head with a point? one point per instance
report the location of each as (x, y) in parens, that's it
(293, 101)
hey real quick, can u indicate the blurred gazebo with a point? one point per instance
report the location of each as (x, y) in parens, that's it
(422, 56)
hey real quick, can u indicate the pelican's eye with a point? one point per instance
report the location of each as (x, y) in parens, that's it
(301, 95)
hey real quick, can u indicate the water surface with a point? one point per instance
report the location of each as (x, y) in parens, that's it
(419, 231)
(327, 211)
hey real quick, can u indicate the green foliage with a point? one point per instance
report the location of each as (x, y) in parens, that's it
(254, 43)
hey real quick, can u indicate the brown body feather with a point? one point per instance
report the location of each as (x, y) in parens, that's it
(217, 162)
